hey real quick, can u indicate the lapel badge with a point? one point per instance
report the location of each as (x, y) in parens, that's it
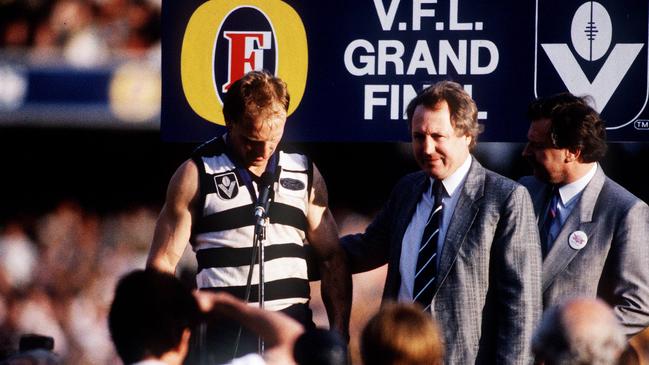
(577, 240)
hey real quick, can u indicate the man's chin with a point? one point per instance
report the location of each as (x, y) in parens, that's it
(433, 172)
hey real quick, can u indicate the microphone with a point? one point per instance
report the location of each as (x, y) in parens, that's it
(266, 186)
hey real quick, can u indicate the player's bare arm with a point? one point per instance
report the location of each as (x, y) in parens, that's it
(173, 227)
(322, 234)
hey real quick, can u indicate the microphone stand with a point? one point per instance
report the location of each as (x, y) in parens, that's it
(260, 236)
(261, 219)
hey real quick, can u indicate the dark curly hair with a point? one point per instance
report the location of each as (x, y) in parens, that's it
(574, 124)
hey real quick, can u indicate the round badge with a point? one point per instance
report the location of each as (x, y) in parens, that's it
(577, 240)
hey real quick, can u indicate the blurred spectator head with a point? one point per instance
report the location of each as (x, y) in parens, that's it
(578, 331)
(151, 317)
(401, 334)
(320, 347)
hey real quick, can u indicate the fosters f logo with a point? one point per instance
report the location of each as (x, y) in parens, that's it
(595, 48)
(245, 53)
(225, 39)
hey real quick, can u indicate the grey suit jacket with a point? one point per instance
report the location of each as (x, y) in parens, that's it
(488, 299)
(614, 264)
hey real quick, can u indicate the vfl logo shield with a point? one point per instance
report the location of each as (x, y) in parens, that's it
(595, 48)
(226, 185)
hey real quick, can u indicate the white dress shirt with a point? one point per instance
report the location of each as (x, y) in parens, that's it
(414, 232)
(569, 195)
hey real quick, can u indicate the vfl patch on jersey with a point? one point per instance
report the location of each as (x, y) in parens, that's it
(227, 186)
(292, 184)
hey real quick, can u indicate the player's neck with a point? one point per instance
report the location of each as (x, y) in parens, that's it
(258, 170)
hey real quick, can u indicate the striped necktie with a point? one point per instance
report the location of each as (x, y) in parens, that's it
(426, 270)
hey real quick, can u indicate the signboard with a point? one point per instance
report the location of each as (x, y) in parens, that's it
(126, 95)
(352, 66)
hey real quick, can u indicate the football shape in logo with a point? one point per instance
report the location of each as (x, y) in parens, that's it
(591, 31)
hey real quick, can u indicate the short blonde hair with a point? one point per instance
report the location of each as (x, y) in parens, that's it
(402, 334)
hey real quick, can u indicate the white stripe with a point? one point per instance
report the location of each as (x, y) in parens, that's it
(424, 288)
(279, 304)
(426, 264)
(281, 268)
(433, 214)
(428, 240)
(242, 237)
(217, 164)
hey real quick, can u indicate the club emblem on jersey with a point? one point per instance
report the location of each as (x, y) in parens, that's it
(226, 185)
(292, 184)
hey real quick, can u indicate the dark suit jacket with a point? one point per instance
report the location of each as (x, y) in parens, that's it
(614, 264)
(488, 299)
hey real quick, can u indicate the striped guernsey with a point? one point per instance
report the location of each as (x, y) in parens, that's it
(222, 233)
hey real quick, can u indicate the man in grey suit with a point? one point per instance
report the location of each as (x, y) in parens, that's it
(594, 233)
(481, 279)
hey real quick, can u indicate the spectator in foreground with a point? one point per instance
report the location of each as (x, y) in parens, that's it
(153, 315)
(578, 331)
(402, 334)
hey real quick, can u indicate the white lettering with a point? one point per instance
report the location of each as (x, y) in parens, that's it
(371, 101)
(394, 102)
(395, 57)
(453, 22)
(366, 61)
(363, 58)
(476, 69)
(418, 12)
(458, 60)
(421, 58)
(386, 18)
(409, 93)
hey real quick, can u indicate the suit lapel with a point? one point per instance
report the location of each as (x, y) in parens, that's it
(462, 219)
(580, 219)
(540, 200)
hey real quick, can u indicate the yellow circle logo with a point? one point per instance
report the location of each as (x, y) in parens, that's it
(226, 39)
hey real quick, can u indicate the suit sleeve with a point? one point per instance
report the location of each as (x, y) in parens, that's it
(516, 278)
(369, 250)
(630, 259)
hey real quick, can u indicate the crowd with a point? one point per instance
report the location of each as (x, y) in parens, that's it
(58, 273)
(85, 33)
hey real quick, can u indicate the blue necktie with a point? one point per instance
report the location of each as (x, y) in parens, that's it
(550, 218)
(426, 270)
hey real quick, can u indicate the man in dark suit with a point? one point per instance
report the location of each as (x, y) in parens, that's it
(594, 232)
(474, 260)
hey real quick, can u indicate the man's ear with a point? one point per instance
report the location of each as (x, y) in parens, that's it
(469, 139)
(572, 155)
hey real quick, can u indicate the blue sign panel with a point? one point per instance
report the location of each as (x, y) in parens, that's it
(352, 66)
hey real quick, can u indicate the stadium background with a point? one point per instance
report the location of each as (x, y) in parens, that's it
(84, 174)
